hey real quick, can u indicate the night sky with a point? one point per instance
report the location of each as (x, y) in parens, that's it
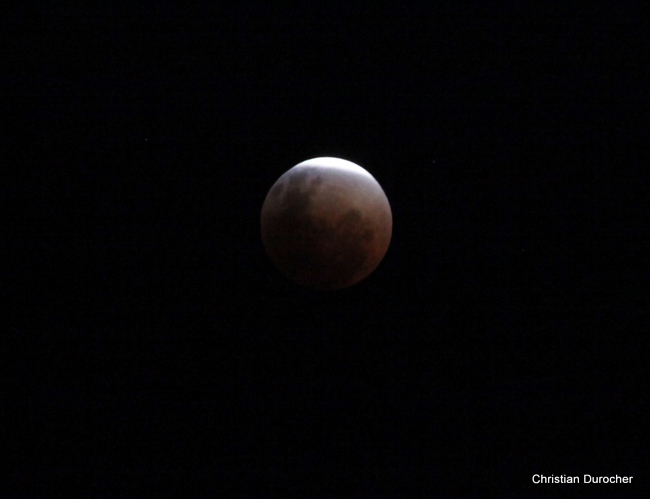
(155, 348)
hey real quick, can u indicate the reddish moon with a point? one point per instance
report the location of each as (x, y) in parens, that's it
(326, 223)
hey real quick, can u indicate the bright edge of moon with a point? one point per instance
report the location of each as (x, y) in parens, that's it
(336, 163)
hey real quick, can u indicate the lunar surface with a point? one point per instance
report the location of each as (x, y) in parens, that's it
(326, 223)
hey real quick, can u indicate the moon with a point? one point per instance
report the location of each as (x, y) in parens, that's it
(326, 223)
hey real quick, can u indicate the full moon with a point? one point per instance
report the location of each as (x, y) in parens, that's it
(326, 223)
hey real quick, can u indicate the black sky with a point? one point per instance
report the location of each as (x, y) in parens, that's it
(155, 347)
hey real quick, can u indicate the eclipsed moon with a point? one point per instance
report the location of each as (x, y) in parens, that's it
(326, 223)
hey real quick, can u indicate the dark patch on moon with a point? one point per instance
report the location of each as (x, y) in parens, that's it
(276, 190)
(297, 197)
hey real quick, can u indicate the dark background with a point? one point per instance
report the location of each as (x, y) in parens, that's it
(153, 346)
